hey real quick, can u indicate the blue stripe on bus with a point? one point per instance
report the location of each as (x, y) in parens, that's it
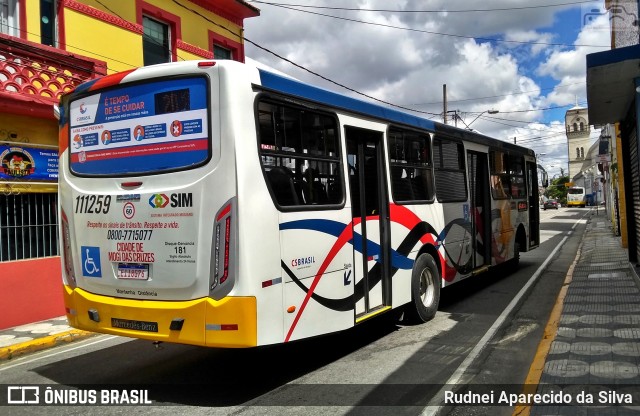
(84, 87)
(295, 88)
(335, 229)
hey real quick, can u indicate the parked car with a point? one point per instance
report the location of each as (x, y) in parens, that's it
(550, 204)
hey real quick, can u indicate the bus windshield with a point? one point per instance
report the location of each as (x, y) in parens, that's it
(143, 128)
(576, 191)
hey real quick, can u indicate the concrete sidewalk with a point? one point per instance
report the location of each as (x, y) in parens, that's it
(28, 338)
(593, 346)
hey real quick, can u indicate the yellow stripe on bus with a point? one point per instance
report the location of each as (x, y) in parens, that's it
(197, 314)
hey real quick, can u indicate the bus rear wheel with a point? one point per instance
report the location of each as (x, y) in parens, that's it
(425, 290)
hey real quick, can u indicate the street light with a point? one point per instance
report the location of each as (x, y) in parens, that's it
(486, 111)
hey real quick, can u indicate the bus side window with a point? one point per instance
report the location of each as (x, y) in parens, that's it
(411, 166)
(313, 190)
(281, 180)
(299, 151)
(449, 170)
(497, 188)
(500, 182)
(516, 178)
(401, 184)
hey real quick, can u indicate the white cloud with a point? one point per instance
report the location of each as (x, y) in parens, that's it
(569, 65)
(410, 67)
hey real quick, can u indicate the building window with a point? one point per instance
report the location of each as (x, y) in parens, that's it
(582, 152)
(48, 22)
(9, 17)
(581, 126)
(577, 153)
(575, 126)
(225, 48)
(28, 226)
(220, 52)
(155, 42)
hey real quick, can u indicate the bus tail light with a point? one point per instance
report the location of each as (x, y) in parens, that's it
(66, 247)
(223, 248)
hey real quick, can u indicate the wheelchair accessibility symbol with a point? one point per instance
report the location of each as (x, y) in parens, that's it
(91, 261)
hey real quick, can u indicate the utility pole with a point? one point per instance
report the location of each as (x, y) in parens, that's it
(514, 140)
(444, 100)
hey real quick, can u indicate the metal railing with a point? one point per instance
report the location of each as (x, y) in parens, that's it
(28, 226)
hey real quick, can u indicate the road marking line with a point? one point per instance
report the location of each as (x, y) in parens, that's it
(550, 332)
(475, 352)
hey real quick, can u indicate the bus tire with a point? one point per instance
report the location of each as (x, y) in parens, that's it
(425, 290)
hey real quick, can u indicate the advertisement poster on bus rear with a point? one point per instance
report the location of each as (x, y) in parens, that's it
(141, 128)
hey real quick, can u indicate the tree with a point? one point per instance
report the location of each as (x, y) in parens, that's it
(558, 189)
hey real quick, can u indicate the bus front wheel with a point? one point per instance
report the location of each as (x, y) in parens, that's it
(425, 289)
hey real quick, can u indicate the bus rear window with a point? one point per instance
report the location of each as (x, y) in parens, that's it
(138, 129)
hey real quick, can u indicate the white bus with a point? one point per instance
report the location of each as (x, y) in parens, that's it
(216, 204)
(576, 197)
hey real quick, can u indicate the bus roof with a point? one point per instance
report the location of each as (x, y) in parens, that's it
(292, 87)
(296, 88)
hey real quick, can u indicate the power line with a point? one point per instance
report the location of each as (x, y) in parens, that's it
(328, 79)
(306, 69)
(152, 39)
(310, 71)
(498, 9)
(503, 95)
(430, 32)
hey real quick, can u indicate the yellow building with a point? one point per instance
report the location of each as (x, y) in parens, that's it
(47, 47)
(613, 83)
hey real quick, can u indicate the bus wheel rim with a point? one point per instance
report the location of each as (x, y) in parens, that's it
(427, 290)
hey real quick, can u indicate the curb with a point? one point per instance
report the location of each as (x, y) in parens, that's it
(38, 344)
(550, 332)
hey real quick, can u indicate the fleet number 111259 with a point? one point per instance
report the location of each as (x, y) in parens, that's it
(93, 204)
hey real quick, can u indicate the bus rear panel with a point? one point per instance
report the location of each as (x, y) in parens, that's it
(576, 197)
(148, 231)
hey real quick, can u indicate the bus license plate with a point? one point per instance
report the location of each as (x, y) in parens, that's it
(133, 271)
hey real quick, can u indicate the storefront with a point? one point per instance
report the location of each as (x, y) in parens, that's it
(613, 91)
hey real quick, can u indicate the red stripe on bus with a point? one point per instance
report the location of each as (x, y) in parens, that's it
(343, 239)
(63, 139)
(405, 217)
(110, 80)
(151, 149)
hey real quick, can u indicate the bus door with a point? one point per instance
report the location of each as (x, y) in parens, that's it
(534, 204)
(369, 209)
(480, 208)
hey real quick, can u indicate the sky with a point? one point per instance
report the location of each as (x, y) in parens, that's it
(524, 59)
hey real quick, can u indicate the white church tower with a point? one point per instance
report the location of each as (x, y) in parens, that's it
(576, 122)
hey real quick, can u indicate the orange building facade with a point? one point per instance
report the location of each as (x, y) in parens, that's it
(47, 47)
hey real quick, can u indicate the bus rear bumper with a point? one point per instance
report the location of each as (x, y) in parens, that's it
(230, 322)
